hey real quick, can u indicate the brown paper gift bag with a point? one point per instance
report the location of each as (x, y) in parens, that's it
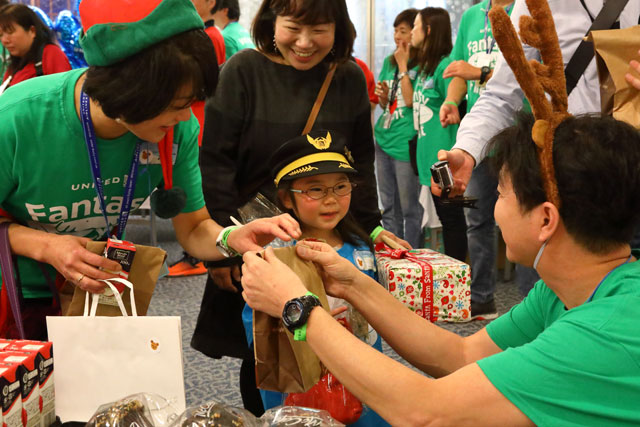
(283, 364)
(614, 49)
(144, 273)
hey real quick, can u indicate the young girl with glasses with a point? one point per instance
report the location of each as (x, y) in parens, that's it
(313, 174)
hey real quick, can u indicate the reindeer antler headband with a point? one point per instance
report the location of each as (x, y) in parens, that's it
(538, 31)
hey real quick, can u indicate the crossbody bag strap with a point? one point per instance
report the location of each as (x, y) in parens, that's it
(9, 278)
(319, 100)
(584, 53)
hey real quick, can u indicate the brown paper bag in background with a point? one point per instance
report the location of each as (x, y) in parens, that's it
(614, 49)
(283, 364)
(144, 275)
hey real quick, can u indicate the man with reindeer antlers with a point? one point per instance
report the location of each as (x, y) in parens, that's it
(569, 354)
(497, 107)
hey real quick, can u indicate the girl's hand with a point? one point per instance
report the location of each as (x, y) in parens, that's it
(401, 55)
(338, 274)
(254, 235)
(68, 255)
(393, 237)
(268, 283)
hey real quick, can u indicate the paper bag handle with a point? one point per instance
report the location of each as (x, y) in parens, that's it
(96, 297)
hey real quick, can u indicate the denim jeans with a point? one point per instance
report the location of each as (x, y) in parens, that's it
(399, 189)
(481, 233)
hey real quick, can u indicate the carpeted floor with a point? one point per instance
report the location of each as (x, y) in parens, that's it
(209, 379)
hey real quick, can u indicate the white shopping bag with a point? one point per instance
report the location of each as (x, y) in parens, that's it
(102, 359)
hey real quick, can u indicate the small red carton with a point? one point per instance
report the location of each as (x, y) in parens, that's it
(44, 362)
(10, 395)
(29, 383)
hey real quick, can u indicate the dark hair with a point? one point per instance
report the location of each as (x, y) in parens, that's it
(22, 15)
(437, 43)
(407, 16)
(4, 2)
(216, 7)
(307, 12)
(234, 8)
(596, 163)
(348, 228)
(144, 85)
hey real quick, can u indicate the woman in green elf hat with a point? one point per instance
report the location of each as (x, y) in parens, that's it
(82, 149)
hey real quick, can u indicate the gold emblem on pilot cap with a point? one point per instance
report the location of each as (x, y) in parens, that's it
(320, 143)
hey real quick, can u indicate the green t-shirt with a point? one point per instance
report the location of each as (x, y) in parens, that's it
(236, 38)
(578, 367)
(428, 96)
(394, 139)
(45, 175)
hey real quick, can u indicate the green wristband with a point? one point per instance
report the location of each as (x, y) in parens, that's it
(225, 236)
(376, 232)
(451, 103)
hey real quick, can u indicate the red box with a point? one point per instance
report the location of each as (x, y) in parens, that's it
(10, 395)
(4, 343)
(44, 362)
(29, 383)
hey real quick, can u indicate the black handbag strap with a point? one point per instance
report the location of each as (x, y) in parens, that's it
(584, 53)
(6, 265)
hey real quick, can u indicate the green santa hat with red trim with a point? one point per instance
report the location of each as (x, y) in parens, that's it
(114, 30)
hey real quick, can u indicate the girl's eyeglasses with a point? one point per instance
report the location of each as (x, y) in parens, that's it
(320, 191)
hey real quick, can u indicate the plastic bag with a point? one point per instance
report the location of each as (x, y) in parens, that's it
(261, 207)
(214, 414)
(293, 416)
(141, 409)
(329, 394)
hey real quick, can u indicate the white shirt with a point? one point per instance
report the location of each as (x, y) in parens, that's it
(502, 99)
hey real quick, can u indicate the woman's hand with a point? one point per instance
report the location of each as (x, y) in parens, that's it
(68, 255)
(254, 235)
(463, 70)
(401, 55)
(269, 283)
(382, 92)
(338, 274)
(222, 277)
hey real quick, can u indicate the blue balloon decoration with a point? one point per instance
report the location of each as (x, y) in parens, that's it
(76, 8)
(68, 31)
(43, 16)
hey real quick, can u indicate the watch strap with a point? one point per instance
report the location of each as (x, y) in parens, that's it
(484, 72)
(300, 333)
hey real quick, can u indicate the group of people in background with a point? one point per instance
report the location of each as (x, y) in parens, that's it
(254, 97)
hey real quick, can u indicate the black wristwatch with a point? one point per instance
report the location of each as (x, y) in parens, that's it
(484, 72)
(296, 312)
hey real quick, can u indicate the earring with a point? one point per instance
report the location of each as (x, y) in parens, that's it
(118, 120)
(275, 46)
(332, 51)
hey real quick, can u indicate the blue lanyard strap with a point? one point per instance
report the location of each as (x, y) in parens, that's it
(92, 149)
(605, 278)
(486, 26)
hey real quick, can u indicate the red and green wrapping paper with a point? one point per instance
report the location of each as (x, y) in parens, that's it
(434, 286)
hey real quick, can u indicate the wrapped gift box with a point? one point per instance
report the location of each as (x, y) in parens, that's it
(431, 284)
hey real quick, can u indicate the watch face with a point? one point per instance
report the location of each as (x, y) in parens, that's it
(294, 311)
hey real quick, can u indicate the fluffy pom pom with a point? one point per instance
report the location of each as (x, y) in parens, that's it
(168, 203)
